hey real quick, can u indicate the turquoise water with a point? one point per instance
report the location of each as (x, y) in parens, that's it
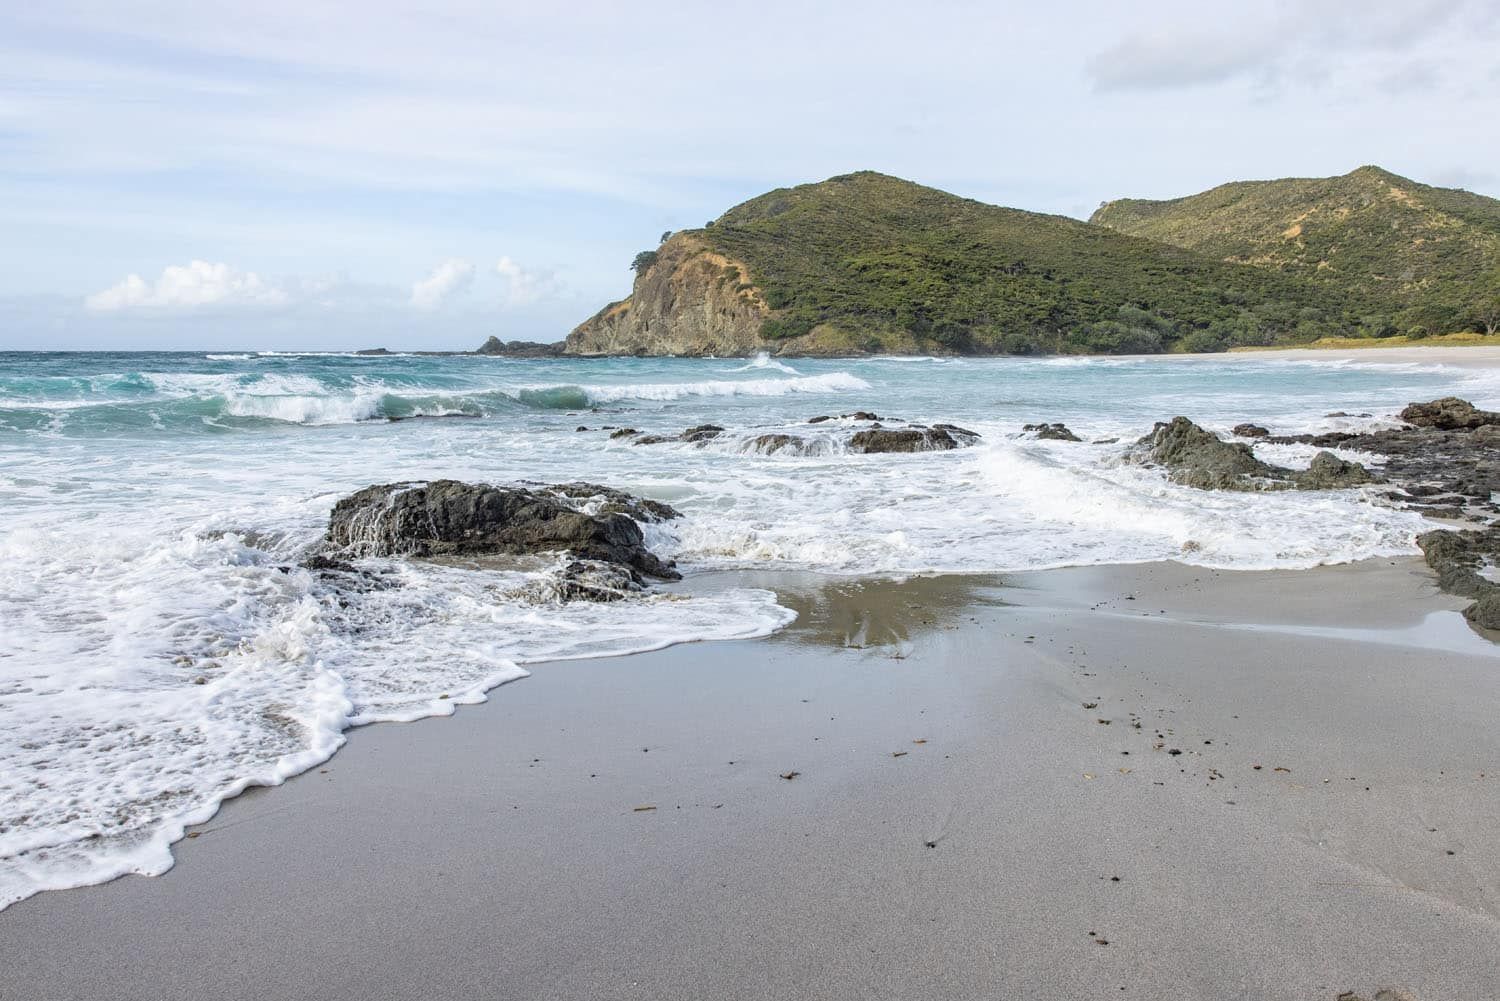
(162, 649)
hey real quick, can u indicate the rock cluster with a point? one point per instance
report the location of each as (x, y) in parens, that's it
(1196, 457)
(447, 517)
(1052, 432)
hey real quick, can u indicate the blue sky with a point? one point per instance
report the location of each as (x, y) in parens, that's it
(337, 175)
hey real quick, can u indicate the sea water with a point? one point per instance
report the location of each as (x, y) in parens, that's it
(161, 649)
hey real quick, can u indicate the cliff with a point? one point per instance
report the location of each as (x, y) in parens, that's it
(691, 300)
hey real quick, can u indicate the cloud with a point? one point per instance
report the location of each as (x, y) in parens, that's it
(448, 279)
(190, 286)
(524, 287)
(1304, 40)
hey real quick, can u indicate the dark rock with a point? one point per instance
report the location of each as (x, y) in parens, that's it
(326, 564)
(1328, 472)
(599, 500)
(819, 420)
(1448, 414)
(1198, 458)
(447, 517)
(698, 435)
(583, 580)
(1052, 432)
(1340, 413)
(581, 427)
(862, 415)
(1250, 431)
(1458, 556)
(913, 439)
(1195, 457)
(520, 349)
(1485, 613)
(770, 444)
(623, 433)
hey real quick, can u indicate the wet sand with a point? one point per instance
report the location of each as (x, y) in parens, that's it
(983, 801)
(1460, 355)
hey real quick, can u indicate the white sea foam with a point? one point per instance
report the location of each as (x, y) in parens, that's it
(763, 360)
(141, 557)
(833, 382)
(228, 357)
(164, 674)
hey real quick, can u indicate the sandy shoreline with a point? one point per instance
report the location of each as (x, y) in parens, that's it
(954, 830)
(1459, 355)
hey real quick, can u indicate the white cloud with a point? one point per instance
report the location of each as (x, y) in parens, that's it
(188, 286)
(448, 279)
(524, 287)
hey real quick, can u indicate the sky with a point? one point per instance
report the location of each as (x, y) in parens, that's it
(312, 174)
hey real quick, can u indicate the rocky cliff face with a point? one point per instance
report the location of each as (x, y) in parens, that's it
(690, 301)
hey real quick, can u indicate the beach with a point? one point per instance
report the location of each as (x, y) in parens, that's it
(1154, 781)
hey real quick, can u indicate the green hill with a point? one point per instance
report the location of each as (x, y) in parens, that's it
(879, 259)
(1416, 258)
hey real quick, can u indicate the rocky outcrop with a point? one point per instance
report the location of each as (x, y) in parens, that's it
(448, 517)
(1458, 559)
(1328, 472)
(520, 349)
(1249, 431)
(1052, 432)
(915, 438)
(1442, 472)
(1198, 458)
(691, 300)
(1448, 414)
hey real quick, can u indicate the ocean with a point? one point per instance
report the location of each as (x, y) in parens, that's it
(161, 649)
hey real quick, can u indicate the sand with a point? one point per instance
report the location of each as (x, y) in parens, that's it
(960, 823)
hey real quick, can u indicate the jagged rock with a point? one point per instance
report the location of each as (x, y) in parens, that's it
(1052, 432)
(858, 415)
(1448, 414)
(938, 438)
(770, 444)
(1195, 457)
(448, 517)
(1457, 556)
(1485, 613)
(1198, 458)
(1328, 472)
(520, 349)
(582, 580)
(1250, 431)
(622, 433)
(703, 432)
(594, 499)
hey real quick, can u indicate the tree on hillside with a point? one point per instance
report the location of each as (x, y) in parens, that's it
(665, 235)
(643, 260)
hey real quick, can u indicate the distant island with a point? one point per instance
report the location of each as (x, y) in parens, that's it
(867, 263)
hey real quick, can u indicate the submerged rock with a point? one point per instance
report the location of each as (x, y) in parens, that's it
(1448, 414)
(916, 438)
(448, 517)
(583, 580)
(770, 444)
(1052, 432)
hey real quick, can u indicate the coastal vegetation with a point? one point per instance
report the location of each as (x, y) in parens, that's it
(1419, 260)
(866, 262)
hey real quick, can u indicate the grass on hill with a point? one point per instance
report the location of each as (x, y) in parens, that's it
(873, 258)
(1420, 258)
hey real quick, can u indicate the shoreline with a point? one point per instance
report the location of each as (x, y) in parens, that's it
(500, 851)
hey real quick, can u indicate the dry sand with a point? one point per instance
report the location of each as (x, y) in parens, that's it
(974, 813)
